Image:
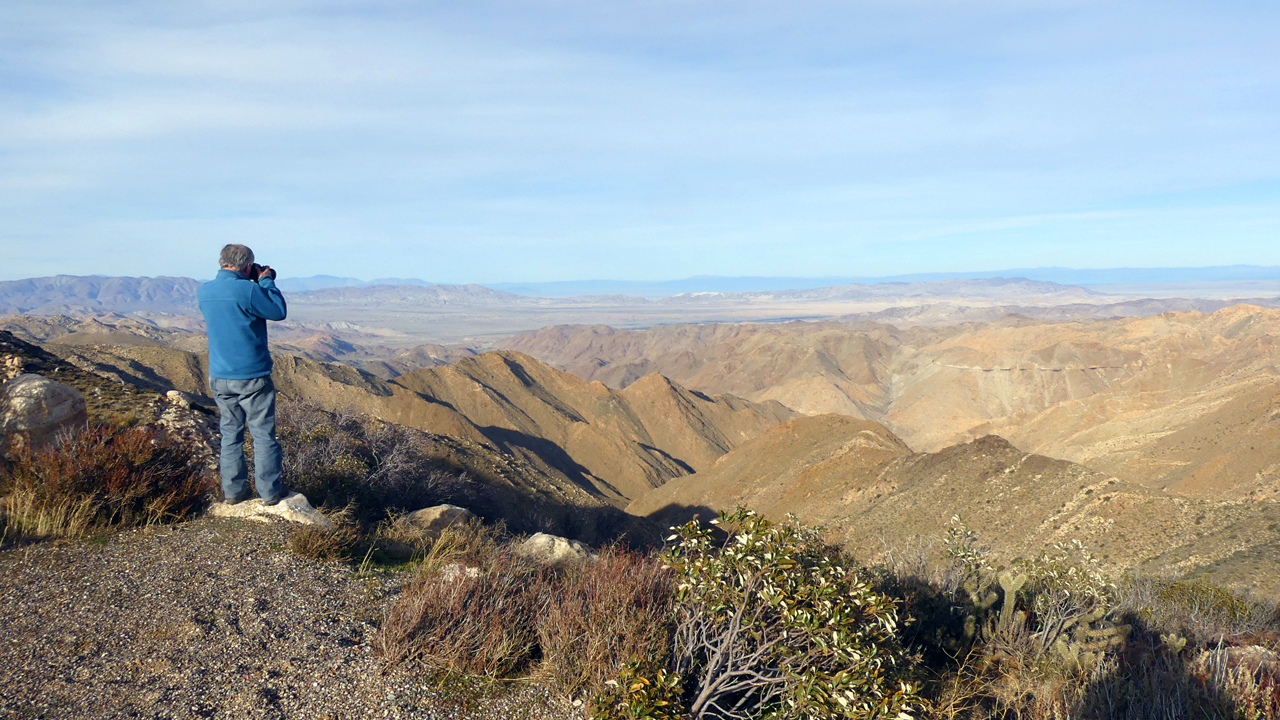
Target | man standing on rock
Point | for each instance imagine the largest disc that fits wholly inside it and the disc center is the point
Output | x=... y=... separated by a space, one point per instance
x=237 y=305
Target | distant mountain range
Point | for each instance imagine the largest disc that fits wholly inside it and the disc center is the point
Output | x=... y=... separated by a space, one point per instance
x=712 y=283
x=72 y=294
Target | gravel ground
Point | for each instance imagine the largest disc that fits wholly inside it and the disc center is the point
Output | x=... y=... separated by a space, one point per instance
x=212 y=619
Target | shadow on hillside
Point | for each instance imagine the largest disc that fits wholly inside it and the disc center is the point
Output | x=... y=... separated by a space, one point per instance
x=674 y=515
x=519 y=444
x=1151 y=682
x=686 y=467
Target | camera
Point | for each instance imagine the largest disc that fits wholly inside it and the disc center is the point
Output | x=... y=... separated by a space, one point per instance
x=256 y=271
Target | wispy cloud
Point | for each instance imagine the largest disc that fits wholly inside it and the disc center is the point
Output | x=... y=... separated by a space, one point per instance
x=503 y=141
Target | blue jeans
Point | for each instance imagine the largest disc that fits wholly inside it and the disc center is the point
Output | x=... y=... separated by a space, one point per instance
x=252 y=401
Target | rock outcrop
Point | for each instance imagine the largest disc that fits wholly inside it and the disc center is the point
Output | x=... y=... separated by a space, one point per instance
x=554 y=551
x=436 y=519
x=294 y=508
x=35 y=409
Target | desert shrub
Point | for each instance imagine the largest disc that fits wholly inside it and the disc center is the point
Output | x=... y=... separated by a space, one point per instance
x=1052 y=636
x=1198 y=610
x=476 y=608
x=1054 y=613
x=771 y=623
x=468 y=620
x=102 y=476
x=602 y=615
x=342 y=460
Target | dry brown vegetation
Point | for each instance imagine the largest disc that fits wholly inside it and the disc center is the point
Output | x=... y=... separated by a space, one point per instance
x=475 y=607
x=1159 y=648
x=341 y=460
x=100 y=477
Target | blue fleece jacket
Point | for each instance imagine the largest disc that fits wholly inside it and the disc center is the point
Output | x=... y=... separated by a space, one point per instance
x=236 y=311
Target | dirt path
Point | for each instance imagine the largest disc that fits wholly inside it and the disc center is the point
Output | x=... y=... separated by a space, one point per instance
x=209 y=619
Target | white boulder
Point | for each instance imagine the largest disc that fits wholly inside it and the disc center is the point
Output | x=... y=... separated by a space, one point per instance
x=37 y=409
x=554 y=551
x=295 y=508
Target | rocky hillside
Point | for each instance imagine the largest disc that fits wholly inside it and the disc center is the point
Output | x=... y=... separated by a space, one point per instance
x=862 y=482
x=1182 y=401
x=615 y=445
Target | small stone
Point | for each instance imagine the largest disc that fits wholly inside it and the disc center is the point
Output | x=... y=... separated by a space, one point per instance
x=457 y=571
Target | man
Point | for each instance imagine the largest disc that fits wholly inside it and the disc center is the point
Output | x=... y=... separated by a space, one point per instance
x=237 y=305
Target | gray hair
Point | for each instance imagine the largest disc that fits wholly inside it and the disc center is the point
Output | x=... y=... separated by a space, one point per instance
x=236 y=256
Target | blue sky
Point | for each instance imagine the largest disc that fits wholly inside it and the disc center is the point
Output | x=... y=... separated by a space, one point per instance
x=501 y=141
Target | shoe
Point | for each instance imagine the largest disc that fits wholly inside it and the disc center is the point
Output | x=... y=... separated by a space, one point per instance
x=233 y=501
x=274 y=501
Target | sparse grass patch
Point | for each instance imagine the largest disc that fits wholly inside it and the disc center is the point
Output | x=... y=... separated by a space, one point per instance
x=100 y=477
x=316 y=543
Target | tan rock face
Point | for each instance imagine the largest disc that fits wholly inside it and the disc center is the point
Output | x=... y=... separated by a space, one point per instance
x=37 y=409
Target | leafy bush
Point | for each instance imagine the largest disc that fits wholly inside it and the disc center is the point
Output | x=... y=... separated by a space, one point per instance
x=102 y=476
x=771 y=623
x=340 y=460
x=633 y=696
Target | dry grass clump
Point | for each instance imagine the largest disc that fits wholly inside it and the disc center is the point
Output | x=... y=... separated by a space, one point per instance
x=99 y=477
x=472 y=622
x=469 y=543
x=316 y=543
x=602 y=615
x=476 y=607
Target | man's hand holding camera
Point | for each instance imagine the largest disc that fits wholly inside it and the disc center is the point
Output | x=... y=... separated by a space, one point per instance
x=257 y=271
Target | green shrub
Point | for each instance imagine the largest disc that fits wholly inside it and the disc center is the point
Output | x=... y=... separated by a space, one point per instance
x=99 y=477
x=641 y=695
x=771 y=623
